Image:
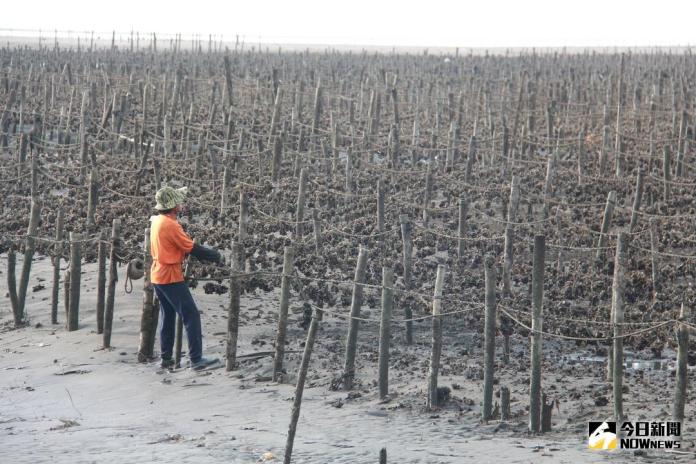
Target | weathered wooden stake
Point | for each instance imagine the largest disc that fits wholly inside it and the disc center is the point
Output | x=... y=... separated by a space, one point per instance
x=504 y=403
x=299 y=388
x=146 y=318
x=288 y=256
x=680 y=389
x=489 y=338
x=354 y=325
x=234 y=308
x=75 y=280
x=58 y=252
x=29 y=248
x=653 y=255
x=101 y=280
x=461 y=229
x=636 y=201
x=606 y=223
x=113 y=278
x=432 y=401
x=537 y=307
x=617 y=295
x=385 y=330
x=299 y=218
x=407 y=262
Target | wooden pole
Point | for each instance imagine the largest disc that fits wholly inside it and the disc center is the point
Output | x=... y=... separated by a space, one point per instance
x=489 y=340
x=234 y=307
x=606 y=223
x=617 y=296
x=29 y=248
x=504 y=403
x=58 y=252
x=146 y=318
x=667 y=174
x=299 y=388
x=381 y=228
x=432 y=402
x=113 y=278
x=317 y=229
x=354 y=325
x=93 y=198
x=385 y=330
x=243 y=216
x=461 y=229
x=682 y=333
x=101 y=280
x=407 y=262
x=537 y=307
x=636 y=201
x=75 y=280
x=653 y=255
x=288 y=256
x=299 y=224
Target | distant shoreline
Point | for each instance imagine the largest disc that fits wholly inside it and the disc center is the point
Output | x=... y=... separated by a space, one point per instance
x=164 y=40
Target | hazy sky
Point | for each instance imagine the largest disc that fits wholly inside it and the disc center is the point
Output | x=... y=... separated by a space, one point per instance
x=480 y=23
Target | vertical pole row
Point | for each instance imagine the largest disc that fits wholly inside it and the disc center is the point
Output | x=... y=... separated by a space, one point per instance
x=146 y=319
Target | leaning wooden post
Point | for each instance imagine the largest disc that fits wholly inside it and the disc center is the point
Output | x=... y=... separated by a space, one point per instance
x=636 y=202
x=682 y=372
x=299 y=219
x=29 y=248
x=461 y=228
x=489 y=343
x=101 y=280
x=537 y=307
x=299 y=388
x=617 y=295
x=407 y=262
x=60 y=226
x=146 y=318
x=113 y=278
x=283 y=313
x=385 y=330
x=234 y=308
x=437 y=338
x=354 y=325
x=75 y=280
x=606 y=222
x=383 y=456
x=226 y=174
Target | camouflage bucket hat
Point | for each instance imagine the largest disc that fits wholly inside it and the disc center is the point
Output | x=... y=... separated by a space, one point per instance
x=168 y=197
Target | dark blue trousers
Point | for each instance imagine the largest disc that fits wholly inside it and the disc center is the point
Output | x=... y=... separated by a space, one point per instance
x=176 y=299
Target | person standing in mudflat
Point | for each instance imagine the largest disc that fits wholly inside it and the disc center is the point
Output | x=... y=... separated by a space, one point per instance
x=169 y=245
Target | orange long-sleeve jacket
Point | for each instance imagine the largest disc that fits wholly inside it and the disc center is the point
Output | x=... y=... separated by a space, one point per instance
x=169 y=245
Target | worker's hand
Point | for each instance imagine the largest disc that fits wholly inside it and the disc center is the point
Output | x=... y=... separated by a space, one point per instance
x=205 y=254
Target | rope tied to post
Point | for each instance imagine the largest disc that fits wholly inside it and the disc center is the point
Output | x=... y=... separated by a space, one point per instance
x=134 y=271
